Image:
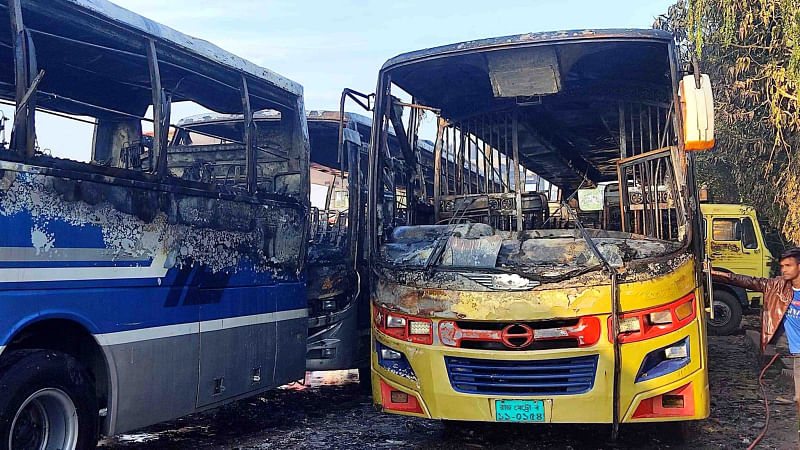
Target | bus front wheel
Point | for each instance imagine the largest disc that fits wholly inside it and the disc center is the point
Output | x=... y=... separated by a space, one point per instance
x=48 y=402
x=727 y=314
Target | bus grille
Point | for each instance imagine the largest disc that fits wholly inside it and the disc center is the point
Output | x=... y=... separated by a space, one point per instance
x=539 y=377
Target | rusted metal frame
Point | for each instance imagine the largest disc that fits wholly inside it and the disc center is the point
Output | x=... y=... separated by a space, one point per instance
x=446 y=148
x=658 y=126
x=355 y=96
x=29 y=95
x=458 y=187
x=251 y=180
x=54 y=113
x=641 y=129
x=418 y=106
x=354 y=213
x=437 y=168
x=30 y=92
x=412 y=164
x=508 y=157
x=623 y=134
x=677 y=117
x=488 y=154
x=159 y=151
x=663 y=138
x=659 y=181
x=485 y=155
x=649 y=211
x=411 y=134
x=468 y=157
x=622 y=176
x=633 y=132
x=339 y=144
x=408 y=153
x=166 y=63
x=518 y=183
x=377 y=156
x=134 y=116
x=650 y=127
x=23 y=137
x=139 y=180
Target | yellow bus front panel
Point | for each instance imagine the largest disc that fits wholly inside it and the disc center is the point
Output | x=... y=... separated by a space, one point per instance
x=429 y=387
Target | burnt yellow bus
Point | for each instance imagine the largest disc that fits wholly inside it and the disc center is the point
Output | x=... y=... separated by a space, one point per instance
x=547 y=267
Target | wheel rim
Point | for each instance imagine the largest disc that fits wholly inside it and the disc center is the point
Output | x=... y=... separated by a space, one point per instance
x=47 y=420
x=722 y=314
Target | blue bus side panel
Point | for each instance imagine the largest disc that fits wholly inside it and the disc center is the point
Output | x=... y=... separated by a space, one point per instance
x=202 y=284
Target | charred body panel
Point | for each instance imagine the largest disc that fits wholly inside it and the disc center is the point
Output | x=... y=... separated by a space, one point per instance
x=191 y=288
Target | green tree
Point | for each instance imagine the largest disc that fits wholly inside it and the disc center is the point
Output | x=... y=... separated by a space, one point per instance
x=751 y=51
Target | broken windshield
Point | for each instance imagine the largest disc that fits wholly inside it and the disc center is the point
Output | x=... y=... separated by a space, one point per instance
x=523 y=133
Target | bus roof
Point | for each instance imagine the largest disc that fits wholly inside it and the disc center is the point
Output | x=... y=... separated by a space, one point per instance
x=96 y=52
x=538 y=38
x=728 y=209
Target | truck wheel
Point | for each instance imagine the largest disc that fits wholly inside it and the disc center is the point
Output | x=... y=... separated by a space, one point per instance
x=47 y=401
x=727 y=314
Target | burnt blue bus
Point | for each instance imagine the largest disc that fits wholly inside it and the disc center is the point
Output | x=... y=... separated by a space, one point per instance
x=136 y=287
x=339 y=320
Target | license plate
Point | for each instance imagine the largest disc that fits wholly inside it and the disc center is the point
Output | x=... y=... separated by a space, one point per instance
x=519 y=410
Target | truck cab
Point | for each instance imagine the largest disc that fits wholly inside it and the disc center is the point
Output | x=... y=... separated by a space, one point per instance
x=734 y=243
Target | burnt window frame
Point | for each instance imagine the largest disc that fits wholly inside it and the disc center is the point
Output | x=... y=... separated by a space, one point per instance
x=23 y=145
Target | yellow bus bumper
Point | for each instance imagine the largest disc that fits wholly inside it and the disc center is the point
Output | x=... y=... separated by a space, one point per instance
x=431 y=394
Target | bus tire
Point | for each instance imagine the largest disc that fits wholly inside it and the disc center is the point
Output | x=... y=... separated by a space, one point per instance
x=727 y=314
x=46 y=385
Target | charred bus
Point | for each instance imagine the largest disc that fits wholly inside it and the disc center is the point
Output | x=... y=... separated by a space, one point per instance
x=338 y=300
x=137 y=288
x=554 y=273
x=338 y=322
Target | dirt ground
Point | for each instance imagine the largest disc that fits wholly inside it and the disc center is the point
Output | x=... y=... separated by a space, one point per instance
x=331 y=412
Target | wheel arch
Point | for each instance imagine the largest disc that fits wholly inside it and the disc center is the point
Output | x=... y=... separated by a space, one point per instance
x=69 y=335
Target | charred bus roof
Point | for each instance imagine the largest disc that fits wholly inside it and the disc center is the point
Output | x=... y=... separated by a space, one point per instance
x=95 y=52
x=568 y=88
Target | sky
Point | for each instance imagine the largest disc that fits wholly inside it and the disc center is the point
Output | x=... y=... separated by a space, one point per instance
x=327 y=46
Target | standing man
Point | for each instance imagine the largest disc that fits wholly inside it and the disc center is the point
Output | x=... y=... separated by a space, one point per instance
x=780 y=317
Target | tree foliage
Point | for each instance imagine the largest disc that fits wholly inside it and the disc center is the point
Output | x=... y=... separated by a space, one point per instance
x=751 y=51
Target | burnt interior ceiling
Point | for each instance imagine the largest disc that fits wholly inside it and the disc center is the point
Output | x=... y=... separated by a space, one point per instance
x=567 y=96
x=100 y=62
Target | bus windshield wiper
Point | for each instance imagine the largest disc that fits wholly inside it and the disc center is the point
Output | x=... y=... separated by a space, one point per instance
x=441 y=241
x=588 y=239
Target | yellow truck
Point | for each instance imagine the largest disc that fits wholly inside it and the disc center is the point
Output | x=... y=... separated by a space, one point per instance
x=734 y=243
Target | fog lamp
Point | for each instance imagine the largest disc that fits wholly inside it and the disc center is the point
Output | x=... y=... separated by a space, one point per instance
x=672 y=401
x=328 y=305
x=677 y=351
x=399 y=397
x=395 y=322
x=390 y=355
x=419 y=327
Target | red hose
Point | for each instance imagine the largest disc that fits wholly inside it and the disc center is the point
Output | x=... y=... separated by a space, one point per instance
x=766 y=402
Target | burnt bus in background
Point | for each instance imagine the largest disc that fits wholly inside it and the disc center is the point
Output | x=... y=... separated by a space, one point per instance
x=134 y=290
x=338 y=324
